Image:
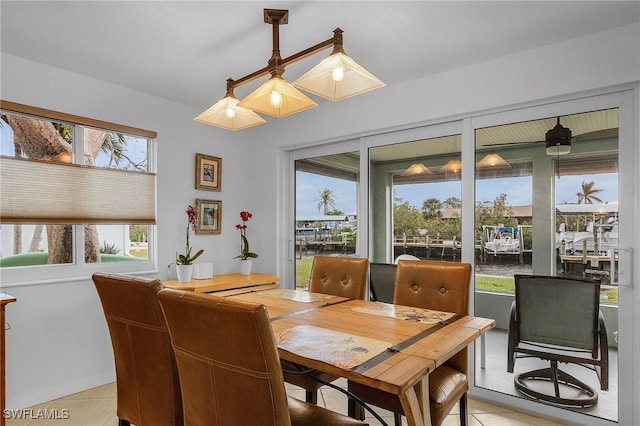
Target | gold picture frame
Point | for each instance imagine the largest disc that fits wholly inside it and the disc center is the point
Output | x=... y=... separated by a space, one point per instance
x=209 y=214
x=208 y=172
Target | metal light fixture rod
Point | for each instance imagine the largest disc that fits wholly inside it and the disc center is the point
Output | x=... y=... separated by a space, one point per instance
x=276 y=64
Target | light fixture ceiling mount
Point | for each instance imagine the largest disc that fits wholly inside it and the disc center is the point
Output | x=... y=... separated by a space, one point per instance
x=336 y=77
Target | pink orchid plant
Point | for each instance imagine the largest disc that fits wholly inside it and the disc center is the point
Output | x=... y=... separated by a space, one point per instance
x=187 y=258
x=244 y=243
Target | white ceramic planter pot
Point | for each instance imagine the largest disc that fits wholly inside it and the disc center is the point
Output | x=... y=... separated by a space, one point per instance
x=184 y=273
x=245 y=267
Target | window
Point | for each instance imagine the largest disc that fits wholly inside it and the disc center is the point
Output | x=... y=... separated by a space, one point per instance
x=62 y=190
x=420 y=180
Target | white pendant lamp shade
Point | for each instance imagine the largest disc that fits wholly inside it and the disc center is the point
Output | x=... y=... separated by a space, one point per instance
x=338 y=77
x=278 y=98
x=416 y=169
x=227 y=114
x=493 y=160
x=453 y=166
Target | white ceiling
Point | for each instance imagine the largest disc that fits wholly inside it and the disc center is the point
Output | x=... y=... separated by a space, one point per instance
x=184 y=51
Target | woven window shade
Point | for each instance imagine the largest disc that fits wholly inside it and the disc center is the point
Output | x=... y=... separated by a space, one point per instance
x=41 y=192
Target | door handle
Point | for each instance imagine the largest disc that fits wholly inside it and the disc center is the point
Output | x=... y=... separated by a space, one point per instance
x=622 y=274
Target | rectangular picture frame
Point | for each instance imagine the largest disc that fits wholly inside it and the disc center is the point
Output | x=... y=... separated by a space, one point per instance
x=208 y=172
x=209 y=217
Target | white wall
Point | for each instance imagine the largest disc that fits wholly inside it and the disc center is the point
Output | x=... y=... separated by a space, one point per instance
x=58 y=343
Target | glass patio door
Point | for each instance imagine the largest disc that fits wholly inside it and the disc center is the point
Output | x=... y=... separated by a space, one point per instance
x=561 y=215
x=325 y=219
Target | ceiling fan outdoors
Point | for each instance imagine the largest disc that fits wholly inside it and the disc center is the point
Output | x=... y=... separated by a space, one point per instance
x=559 y=138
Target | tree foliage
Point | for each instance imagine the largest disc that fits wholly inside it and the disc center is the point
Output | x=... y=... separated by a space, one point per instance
x=407 y=220
x=587 y=195
x=432 y=208
x=326 y=201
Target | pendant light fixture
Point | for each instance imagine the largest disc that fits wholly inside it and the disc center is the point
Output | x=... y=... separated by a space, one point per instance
x=338 y=76
x=453 y=166
x=335 y=78
x=227 y=114
x=558 y=140
x=416 y=169
x=493 y=160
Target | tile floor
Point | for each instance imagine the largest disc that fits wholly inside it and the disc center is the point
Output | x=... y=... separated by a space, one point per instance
x=97 y=407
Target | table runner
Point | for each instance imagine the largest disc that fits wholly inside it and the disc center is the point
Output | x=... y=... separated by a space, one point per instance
x=408 y=313
x=333 y=347
x=296 y=295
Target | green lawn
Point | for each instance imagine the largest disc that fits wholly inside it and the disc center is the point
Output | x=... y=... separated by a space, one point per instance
x=143 y=253
x=495 y=284
x=483 y=282
x=303 y=272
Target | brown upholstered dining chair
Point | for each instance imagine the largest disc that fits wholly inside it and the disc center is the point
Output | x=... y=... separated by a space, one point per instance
x=338 y=276
x=442 y=286
x=148 y=390
x=229 y=366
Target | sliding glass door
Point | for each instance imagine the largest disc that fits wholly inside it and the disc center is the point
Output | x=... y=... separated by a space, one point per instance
x=485 y=190
x=543 y=212
x=326 y=208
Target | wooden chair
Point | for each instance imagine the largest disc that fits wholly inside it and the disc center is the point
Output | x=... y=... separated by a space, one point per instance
x=148 y=389
x=229 y=366
x=338 y=276
x=442 y=286
x=558 y=319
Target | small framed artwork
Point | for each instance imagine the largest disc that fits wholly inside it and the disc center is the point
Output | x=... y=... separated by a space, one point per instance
x=208 y=172
x=209 y=216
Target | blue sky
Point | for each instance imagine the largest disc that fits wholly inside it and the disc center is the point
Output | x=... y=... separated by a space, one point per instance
x=519 y=190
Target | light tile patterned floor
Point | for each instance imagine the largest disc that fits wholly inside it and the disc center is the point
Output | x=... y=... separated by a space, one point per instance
x=97 y=407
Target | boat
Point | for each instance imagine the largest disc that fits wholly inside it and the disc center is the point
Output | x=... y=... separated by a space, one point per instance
x=505 y=240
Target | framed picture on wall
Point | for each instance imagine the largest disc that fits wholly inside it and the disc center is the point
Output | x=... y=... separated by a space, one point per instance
x=208 y=172
x=209 y=216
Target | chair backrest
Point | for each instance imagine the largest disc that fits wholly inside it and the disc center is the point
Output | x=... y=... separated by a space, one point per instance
x=228 y=361
x=382 y=278
x=557 y=310
x=442 y=286
x=148 y=389
x=405 y=257
x=339 y=276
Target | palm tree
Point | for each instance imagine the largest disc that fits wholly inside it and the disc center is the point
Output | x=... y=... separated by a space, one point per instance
x=326 y=200
x=432 y=208
x=587 y=195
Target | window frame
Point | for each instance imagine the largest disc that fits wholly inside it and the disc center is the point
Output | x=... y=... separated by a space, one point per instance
x=79 y=270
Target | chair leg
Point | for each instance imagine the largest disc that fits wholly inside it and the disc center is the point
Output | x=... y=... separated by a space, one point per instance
x=397 y=419
x=122 y=422
x=311 y=397
x=355 y=410
x=463 y=410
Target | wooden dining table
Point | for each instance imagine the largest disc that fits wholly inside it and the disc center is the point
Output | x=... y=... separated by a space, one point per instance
x=389 y=347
